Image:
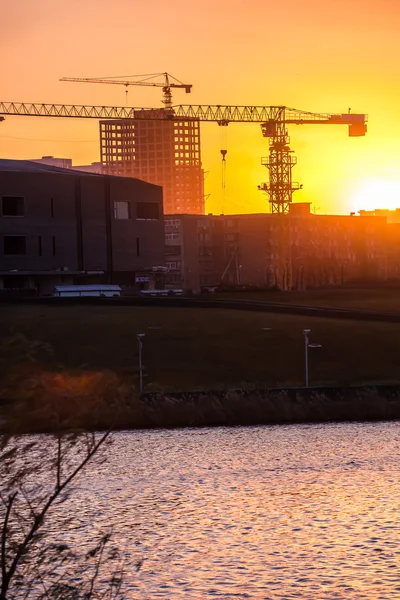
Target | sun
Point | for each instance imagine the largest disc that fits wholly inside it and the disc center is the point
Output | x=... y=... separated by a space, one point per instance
x=377 y=193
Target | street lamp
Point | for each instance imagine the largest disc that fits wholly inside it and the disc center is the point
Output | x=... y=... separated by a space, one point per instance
x=140 y=337
x=307 y=345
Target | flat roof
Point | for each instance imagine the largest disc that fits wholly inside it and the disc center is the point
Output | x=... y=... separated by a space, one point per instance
x=30 y=166
x=258 y=215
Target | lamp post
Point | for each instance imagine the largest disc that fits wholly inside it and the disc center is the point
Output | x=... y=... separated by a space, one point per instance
x=305 y=333
x=307 y=345
x=140 y=337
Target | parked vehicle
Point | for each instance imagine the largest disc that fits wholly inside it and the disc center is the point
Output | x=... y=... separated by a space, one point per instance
x=96 y=290
x=154 y=293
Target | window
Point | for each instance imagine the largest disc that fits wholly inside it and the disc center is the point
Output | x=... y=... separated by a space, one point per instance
x=52 y=207
x=173 y=265
x=172 y=223
x=137 y=246
x=173 y=278
x=148 y=210
x=14 y=245
x=205 y=251
x=14 y=282
x=122 y=210
x=54 y=245
x=40 y=245
x=231 y=237
x=13 y=206
x=172 y=250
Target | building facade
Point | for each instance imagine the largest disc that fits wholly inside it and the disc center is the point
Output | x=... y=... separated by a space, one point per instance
x=244 y=250
x=163 y=152
x=62 y=226
x=193 y=247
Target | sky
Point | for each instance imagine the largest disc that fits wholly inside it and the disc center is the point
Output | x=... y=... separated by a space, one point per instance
x=321 y=56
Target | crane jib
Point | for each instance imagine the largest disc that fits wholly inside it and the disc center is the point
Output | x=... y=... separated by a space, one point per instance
x=221 y=114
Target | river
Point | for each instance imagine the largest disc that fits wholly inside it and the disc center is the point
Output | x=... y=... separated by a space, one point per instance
x=258 y=512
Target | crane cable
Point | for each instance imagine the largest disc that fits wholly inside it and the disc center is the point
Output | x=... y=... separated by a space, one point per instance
x=223 y=153
x=224 y=145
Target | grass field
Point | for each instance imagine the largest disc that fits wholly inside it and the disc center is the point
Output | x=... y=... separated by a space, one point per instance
x=191 y=348
x=384 y=300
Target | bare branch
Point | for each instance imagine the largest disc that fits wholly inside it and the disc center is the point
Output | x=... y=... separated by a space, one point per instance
x=117 y=580
x=5 y=577
x=29 y=503
x=97 y=569
x=87 y=443
x=39 y=518
x=59 y=461
x=46 y=591
x=3 y=500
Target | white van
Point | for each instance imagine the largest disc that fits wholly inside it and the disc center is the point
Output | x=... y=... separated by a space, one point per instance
x=95 y=289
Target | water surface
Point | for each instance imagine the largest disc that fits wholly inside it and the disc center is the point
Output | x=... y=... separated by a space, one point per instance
x=259 y=512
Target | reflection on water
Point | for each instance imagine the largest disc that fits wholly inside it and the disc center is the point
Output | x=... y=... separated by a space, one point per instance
x=262 y=512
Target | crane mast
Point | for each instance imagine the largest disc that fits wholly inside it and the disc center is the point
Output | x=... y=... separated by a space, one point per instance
x=280 y=188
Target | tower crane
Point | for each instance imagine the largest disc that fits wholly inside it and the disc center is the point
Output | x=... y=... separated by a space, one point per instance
x=280 y=163
x=274 y=121
x=168 y=83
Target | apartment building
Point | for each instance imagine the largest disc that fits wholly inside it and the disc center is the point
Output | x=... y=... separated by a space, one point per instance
x=193 y=251
x=235 y=250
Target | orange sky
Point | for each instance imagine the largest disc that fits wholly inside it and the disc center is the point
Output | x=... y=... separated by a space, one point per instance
x=322 y=56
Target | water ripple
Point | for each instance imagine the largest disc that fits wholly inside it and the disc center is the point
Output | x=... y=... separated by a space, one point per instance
x=261 y=513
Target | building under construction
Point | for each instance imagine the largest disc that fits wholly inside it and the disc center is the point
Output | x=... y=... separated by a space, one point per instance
x=163 y=152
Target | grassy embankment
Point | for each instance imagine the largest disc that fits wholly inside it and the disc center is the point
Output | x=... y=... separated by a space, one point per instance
x=383 y=300
x=188 y=348
x=94 y=350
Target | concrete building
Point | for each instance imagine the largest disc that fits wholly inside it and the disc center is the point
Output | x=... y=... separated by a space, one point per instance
x=62 y=226
x=193 y=251
x=52 y=161
x=66 y=163
x=164 y=152
x=392 y=262
x=94 y=167
x=244 y=250
x=392 y=216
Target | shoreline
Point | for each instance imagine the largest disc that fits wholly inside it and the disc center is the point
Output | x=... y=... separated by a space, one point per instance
x=228 y=408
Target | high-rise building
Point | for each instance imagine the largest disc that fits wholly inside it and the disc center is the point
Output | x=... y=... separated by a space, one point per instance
x=165 y=152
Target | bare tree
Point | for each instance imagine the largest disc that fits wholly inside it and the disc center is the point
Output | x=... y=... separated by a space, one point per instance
x=37 y=474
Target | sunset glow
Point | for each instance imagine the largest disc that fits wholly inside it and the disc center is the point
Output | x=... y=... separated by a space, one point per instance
x=328 y=63
x=377 y=193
